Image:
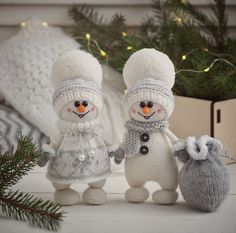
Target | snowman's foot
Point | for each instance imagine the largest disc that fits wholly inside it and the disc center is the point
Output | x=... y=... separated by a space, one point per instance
x=137 y=195
x=164 y=197
x=66 y=197
x=94 y=196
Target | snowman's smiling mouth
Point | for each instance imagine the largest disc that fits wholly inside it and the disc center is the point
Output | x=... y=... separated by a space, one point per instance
x=80 y=115
x=146 y=117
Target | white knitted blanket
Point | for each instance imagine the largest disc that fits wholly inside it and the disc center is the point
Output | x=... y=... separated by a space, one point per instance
x=25 y=66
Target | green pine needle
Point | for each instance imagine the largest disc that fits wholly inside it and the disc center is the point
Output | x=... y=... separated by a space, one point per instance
x=15 y=164
x=26 y=207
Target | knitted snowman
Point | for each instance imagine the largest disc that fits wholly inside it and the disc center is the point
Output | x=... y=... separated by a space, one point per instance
x=79 y=155
x=149 y=76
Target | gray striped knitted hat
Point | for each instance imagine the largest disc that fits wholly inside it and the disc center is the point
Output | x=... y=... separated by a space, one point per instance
x=153 y=90
x=149 y=75
x=76 y=75
x=77 y=89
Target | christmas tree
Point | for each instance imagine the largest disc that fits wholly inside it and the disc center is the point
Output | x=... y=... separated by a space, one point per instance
x=198 y=44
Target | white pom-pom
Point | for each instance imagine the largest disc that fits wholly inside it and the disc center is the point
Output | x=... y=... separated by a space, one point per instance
x=149 y=63
x=76 y=64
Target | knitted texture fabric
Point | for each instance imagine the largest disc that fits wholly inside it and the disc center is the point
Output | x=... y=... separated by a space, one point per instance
x=149 y=63
x=135 y=130
x=77 y=89
x=12 y=126
x=149 y=76
x=204 y=179
x=157 y=165
x=25 y=66
x=152 y=90
x=81 y=157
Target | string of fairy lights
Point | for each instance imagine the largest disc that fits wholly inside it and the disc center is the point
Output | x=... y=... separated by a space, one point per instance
x=184 y=56
x=104 y=54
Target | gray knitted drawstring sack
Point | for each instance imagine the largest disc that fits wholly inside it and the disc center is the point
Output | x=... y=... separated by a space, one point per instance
x=204 y=179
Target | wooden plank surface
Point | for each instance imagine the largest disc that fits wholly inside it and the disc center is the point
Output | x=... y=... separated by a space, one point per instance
x=117 y=215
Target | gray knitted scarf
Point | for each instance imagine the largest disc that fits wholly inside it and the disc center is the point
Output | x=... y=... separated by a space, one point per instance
x=135 y=129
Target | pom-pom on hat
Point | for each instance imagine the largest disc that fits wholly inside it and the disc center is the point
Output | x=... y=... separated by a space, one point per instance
x=76 y=75
x=150 y=75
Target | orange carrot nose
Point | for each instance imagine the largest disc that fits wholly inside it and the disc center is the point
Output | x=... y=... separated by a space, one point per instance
x=81 y=108
x=146 y=110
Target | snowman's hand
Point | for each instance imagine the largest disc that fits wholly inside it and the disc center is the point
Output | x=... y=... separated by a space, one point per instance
x=118 y=155
x=44 y=158
x=47 y=154
x=179 y=149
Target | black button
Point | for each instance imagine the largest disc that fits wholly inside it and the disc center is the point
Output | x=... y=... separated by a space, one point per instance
x=144 y=150
x=145 y=137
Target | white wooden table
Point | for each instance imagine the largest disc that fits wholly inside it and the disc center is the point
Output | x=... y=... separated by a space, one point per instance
x=119 y=216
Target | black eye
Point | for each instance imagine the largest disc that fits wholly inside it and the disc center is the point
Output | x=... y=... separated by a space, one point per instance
x=76 y=103
x=142 y=104
x=150 y=104
x=85 y=103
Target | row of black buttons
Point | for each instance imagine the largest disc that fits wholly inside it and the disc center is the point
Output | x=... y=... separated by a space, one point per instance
x=145 y=138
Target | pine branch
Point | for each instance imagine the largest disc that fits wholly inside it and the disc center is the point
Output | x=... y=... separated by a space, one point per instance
x=221 y=19
x=26 y=207
x=195 y=31
x=13 y=166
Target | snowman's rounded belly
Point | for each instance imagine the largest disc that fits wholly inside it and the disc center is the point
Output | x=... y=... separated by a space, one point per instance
x=150 y=166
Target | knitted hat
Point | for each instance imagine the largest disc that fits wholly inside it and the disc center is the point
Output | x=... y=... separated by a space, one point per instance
x=150 y=75
x=76 y=75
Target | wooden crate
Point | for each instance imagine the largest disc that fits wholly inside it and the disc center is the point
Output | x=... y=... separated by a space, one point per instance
x=196 y=117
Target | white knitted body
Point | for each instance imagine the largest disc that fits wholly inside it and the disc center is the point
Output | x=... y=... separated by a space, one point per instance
x=158 y=165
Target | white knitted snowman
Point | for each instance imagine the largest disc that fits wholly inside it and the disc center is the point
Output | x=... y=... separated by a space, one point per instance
x=80 y=154
x=149 y=76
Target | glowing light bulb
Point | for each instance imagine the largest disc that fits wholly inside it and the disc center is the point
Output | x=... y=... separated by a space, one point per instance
x=124 y=34
x=103 y=53
x=184 y=57
x=179 y=20
x=129 y=47
x=45 y=24
x=23 y=24
x=87 y=36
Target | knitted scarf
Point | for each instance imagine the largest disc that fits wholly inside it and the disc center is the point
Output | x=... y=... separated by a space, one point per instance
x=66 y=126
x=135 y=129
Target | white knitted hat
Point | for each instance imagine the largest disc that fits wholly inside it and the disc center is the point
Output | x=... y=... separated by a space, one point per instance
x=150 y=75
x=76 y=75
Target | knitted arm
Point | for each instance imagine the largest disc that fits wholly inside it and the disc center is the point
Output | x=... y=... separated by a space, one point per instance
x=118 y=152
x=49 y=150
x=179 y=148
x=170 y=135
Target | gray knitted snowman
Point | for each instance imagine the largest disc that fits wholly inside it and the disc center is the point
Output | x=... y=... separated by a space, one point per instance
x=79 y=154
x=149 y=76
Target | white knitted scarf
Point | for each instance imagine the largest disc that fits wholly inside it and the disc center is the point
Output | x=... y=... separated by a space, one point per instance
x=66 y=126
